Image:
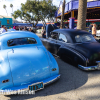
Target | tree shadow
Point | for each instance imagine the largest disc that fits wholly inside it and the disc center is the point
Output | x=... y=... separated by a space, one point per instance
x=71 y=79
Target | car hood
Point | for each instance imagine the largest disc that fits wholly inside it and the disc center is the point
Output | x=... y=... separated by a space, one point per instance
x=28 y=64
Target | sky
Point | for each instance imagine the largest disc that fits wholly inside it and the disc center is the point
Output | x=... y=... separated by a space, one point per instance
x=17 y=5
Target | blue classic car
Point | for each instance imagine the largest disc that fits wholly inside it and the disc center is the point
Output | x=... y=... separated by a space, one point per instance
x=25 y=61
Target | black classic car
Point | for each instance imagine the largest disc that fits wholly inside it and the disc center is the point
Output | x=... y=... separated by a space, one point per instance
x=77 y=46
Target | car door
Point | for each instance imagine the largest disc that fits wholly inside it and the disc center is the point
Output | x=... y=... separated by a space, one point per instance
x=60 y=42
x=63 y=41
x=50 y=43
x=44 y=41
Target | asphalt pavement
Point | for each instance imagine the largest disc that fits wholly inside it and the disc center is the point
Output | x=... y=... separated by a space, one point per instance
x=74 y=84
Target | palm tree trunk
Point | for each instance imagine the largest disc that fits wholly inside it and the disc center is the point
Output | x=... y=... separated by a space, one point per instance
x=82 y=10
x=6 y=12
x=62 y=16
x=12 y=13
x=12 y=9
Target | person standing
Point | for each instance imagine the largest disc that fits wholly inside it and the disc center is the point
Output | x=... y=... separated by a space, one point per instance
x=90 y=28
x=25 y=28
x=94 y=30
x=14 y=27
x=3 y=29
x=30 y=29
x=43 y=32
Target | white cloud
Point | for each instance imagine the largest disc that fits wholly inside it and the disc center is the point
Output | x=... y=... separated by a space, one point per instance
x=56 y=2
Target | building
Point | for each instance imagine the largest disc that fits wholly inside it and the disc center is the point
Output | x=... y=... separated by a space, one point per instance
x=6 y=20
x=71 y=11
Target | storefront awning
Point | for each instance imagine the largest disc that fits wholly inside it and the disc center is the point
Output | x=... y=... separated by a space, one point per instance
x=93 y=9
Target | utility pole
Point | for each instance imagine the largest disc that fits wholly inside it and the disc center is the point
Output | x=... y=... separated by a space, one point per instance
x=62 y=16
x=82 y=10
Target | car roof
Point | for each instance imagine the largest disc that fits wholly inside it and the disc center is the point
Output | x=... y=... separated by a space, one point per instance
x=71 y=31
x=17 y=34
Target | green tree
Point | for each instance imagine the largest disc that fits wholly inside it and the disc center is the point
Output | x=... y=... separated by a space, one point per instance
x=33 y=11
x=48 y=10
x=82 y=10
x=4 y=6
x=62 y=16
x=17 y=14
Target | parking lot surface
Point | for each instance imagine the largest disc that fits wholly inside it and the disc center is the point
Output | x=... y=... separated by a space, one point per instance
x=74 y=84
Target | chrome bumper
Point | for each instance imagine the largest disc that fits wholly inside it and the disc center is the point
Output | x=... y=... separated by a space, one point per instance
x=26 y=90
x=97 y=67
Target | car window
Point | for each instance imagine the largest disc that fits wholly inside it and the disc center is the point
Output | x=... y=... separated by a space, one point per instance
x=84 y=38
x=21 y=41
x=62 y=38
x=78 y=38
x=54 y=35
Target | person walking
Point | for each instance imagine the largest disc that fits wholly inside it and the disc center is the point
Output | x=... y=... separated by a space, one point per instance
x=3 y=29
x=43 y=33
x=90 y=28
x=94 y=30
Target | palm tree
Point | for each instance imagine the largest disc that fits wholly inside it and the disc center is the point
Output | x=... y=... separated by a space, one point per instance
x=82 y=10
x=4 y=6
x=62 y=16
x=11 y=5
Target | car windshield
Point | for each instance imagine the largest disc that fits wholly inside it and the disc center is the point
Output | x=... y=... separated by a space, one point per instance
x=84 y=38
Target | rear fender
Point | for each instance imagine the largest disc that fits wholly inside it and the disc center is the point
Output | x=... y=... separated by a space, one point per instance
x=5 y=71
x=74 y=55
x=54 y=69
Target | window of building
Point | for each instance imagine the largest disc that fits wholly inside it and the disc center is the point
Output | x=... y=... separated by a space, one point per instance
x=8 y=21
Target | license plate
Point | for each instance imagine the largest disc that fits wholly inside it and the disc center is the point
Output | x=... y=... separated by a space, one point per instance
x=36 y=86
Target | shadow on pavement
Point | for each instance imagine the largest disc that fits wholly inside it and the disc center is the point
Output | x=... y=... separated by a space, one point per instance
x=71 y=79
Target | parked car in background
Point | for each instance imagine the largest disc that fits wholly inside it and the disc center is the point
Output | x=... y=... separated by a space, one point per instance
x=0 y=30
x=75 y=46
x=98 y=33
x=25 y=61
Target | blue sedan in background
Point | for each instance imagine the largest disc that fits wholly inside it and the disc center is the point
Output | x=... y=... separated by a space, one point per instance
x=25 y=61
